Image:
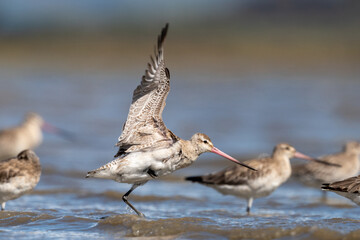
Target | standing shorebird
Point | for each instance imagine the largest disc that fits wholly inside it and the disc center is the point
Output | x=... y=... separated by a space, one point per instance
x=28 y=135
x=271 y=173
x=314 y=174
x=147 y=149
x=349 y=188
x=18 y=176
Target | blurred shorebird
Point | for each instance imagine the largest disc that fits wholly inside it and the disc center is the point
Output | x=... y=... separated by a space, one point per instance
x=349 y=188
x=271 y=173
x=18 y=176
x=28 y=135
x=147 y=148
x=314 y=174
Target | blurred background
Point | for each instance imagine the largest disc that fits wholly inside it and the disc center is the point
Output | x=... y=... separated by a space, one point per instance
x=248 y=73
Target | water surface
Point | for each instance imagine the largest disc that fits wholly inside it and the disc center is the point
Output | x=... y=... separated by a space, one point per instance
x=244 y=116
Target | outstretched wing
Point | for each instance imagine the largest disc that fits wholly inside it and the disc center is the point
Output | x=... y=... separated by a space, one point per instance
x=144 y=126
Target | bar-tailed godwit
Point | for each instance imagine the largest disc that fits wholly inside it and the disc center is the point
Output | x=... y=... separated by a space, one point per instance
x=147 y=148
x=271 y=173
x=349 y=188
x=28 y=135
x=18 y=176
x=314 y=174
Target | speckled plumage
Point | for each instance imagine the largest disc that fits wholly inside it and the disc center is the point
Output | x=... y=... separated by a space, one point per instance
x=314 y=174
x=147 y=149
x=244 y=183
x=349 y=188
x=144 y=127
x=18 y=176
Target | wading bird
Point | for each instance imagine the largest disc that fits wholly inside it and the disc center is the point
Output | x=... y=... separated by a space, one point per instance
x=314 y=174
x=28 y=135
x=271 y=173
x=18 y=176
x=147 y=148
x=349 y=188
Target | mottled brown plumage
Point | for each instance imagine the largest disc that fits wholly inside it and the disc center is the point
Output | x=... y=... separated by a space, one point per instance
x=351 y=185
x=147 y=149
x=237 y=176
x=18 y=176
x=314 y=174
x=242 y=182
x=144 y=127
x=349 y=188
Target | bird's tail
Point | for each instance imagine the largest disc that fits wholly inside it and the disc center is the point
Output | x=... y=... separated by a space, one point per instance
x=198 y=179
x=326 y=186
x=100 y=173
x=91 y=174
x=103 y=171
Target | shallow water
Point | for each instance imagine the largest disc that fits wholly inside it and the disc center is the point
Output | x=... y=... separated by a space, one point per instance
x=244 y=117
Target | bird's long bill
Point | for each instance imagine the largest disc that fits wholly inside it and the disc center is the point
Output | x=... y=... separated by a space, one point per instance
x=303 y=156
x=47 y=127
x=221 y=153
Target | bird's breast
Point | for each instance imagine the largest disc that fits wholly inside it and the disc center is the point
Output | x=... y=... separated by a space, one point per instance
x=144 y=166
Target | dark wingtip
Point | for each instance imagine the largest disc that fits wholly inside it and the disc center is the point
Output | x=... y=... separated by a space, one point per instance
x=165 y=29
x=194 y=179
x=162 y=36
x=326 y=186
x=167 y=72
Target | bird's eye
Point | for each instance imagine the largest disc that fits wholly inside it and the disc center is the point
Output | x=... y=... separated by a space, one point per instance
x=287 y=148
x=205 y=141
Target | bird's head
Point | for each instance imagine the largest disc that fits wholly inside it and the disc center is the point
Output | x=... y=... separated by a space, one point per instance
x=202 y=143
x=289 y=151
x=34 y=119
x=284 y=149
x=352 y=146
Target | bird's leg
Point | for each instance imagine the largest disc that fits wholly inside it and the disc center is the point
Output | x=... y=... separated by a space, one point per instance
x=125 y=199
x=249 y=204
x=3 y=206
x=324 y=196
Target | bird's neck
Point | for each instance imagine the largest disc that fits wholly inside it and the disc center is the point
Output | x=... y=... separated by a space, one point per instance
x=33 y=133
x=189 y=150
x=284 y=166
x=352 y=159
x=351 y=152
x=281 y=159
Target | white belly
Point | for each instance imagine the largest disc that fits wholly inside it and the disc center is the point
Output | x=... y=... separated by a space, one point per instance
x=15 y=188
x=355 y=197
x=256 y=188
x=135 y=167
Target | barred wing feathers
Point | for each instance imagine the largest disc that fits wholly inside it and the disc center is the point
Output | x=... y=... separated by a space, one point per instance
x=144 y=126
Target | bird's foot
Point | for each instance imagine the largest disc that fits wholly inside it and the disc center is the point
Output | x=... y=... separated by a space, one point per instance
x=140 y=214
